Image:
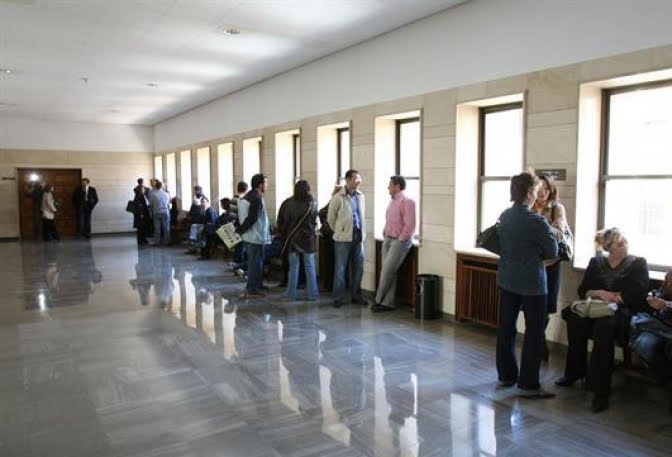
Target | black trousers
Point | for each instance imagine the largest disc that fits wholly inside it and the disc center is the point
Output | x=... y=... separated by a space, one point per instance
x=83 y=222
x=604 y=332
x=49 y=232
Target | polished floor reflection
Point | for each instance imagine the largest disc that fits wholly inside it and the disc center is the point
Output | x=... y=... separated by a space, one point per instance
x=107 y=350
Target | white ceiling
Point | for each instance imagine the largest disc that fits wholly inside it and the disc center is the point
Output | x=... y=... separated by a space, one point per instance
x=92 y=60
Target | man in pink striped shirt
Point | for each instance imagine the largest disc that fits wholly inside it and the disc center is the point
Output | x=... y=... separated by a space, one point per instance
x=398 y=233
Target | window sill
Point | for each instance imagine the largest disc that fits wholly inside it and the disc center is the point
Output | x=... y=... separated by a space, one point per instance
x=477 y=251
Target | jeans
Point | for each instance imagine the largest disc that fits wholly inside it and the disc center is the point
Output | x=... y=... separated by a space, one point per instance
x=255 y=267
x=348 y=252
x=311 y=277
x=553 y=284
x=393 y=254
x=534 y=308
x=161 y=228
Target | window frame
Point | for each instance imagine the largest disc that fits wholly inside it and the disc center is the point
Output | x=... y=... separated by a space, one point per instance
x=604 y=175
x=397 y=164
x=483 y=111
x=296 y=156
x=340 y=174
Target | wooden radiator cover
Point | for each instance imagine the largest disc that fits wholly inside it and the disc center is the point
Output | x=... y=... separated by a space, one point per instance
x=477 y=296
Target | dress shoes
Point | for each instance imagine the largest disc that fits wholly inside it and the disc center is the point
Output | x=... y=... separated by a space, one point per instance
x=380 y=308
x=566 y=381
x=600 y=403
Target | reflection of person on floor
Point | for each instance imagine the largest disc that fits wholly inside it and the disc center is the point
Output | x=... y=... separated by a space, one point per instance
x=143 y=278
x=344 y=357
x=162 y=266
x=299 y=349
x=70 y=276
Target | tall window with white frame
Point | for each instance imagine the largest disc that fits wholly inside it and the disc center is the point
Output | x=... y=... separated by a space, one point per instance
x=501 y=156
x=342 y=152
x=296 y=155
x=185 y=179
x=225 y=167
x=251 y=158
x=171 y=179
x=203 y=170
x=407 y=160
x=158 y=168
x=636 y=174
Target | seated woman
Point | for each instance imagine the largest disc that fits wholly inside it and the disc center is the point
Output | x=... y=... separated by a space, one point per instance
x=616 y=277
x=651 y=337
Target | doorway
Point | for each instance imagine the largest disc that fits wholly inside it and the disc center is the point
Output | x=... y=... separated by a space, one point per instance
x=64 y=181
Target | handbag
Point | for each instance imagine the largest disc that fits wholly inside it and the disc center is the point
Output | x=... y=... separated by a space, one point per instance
x=593 y=309
x=488 y=239
x=130 y=206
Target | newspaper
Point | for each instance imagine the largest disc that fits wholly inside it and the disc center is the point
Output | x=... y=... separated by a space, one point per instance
x=227 y=233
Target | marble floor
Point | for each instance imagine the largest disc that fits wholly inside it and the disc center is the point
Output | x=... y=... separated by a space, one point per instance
x=107 y=350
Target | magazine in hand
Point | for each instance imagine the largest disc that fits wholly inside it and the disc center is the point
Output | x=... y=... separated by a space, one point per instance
x=227 y=233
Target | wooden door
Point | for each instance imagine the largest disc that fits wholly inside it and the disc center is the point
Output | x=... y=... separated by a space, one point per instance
x=64 y=181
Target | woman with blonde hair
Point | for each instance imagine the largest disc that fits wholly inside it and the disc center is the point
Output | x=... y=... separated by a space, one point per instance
x=616 y=277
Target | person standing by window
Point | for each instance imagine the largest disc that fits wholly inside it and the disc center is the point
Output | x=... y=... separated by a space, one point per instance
x=547 y=205
x=398 y=234
x=526 y=240
x=300 y=221
x=346 y=219
x=255 y=230
x=160 y=203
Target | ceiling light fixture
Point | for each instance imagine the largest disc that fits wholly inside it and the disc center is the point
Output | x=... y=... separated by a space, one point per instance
x=6 y=71
x=232 y=31
x=152 y=85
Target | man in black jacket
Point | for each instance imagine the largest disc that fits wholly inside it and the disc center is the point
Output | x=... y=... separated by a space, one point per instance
x=84 y=199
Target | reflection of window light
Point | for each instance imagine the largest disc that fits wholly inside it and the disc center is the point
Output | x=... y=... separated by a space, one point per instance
x=33 y=177
x=41 y=301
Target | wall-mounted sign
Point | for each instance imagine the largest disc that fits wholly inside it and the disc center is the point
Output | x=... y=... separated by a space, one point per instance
x=558 y=174
x=8 y=178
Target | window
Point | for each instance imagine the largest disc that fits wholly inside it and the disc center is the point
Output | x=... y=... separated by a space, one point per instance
x=203 y=169
x=185 y=178
x=296 y=163
x=407 y=160
x=171 y=180
x=251 y=158
x=501 y=156
x=225 y=170
x=158 y=168
x=343 y=152
x=636 y=173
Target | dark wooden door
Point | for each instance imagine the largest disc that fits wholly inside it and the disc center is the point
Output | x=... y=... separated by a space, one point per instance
x=64 y=181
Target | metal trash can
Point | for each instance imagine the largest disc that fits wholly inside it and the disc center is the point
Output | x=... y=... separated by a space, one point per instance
x=427 y=296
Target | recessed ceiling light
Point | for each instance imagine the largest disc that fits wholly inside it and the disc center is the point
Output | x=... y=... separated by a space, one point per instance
x=6 y=71
x=232 y=31
x=152 y=85
x=115 y=111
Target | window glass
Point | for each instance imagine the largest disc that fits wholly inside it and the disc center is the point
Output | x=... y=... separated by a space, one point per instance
x=343 y=152
x=225 y=167
x=503 y=138
x=408 y=164
x=158 y=168
x=171 y=180
x=203 y=164
x=185 y=179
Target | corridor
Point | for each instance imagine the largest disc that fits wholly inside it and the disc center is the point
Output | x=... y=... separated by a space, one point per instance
x=108 y=350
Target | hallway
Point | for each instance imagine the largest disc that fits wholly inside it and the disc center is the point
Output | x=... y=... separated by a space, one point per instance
x=108 y=350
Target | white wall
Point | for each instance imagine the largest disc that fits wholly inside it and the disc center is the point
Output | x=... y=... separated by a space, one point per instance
x=480 y=40
x=38 y=134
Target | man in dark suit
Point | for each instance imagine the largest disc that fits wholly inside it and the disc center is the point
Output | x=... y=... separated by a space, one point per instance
x=84 y=198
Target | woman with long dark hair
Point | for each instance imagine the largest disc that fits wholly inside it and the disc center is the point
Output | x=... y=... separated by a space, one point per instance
x=547 y=205
x=299 y=224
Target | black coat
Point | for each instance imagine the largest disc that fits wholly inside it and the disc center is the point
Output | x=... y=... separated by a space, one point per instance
x=84 y=202
x=304 y=236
